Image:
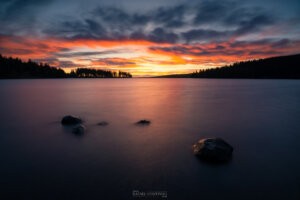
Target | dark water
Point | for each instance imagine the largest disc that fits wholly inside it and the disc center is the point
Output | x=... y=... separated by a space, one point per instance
x=40 y=159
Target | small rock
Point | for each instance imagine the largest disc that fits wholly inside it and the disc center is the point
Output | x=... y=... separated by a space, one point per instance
x=70 y=120
x=79 y=129
x=103 y=123
x=213 y=150
x=143 y=122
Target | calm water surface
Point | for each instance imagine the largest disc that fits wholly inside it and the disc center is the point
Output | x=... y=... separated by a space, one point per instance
x=40 y=159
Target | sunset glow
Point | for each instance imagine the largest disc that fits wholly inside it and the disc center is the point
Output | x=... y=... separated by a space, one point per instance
x=164 y=39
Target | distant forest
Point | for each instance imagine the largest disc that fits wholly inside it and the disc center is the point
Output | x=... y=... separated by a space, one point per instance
x=283 y=67
x=97 y=73
x=16 y=68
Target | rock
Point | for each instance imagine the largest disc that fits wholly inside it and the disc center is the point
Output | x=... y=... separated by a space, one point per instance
x=213 y=150
x=70 y=120
x=143 y=122
x=79 y=129
x=103 y=123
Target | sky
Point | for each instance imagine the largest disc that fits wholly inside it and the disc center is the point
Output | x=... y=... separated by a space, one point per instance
x=148 y=37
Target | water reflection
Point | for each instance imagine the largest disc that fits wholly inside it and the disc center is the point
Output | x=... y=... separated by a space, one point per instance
x=47 y=160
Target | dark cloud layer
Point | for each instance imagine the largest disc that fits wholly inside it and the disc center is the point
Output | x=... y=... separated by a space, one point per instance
x=53 y=61
x=258 y=47
x=203 y=21
x=83 y=54
x=14 y=9
x=213 y=11
x=15 y=51
x=113 y=62
x=206 y=35
x=115 y=24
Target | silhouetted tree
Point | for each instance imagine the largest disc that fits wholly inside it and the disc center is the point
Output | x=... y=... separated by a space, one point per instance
x=124 y=75
x=16 y=68
x=277 y=67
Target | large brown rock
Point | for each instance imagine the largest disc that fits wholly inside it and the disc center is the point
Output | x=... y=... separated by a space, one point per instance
x=213 y=150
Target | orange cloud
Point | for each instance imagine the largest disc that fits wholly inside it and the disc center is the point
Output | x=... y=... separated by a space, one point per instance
x=34 y=48
x=114 y=62
x=147 y=57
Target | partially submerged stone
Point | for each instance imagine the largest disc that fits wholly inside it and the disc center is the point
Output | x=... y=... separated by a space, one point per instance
x=70 y=120
x=103 y=123
x=79 y=129
x=213 y=150
x=143 y=122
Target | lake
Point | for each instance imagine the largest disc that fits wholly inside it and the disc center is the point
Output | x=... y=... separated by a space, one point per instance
x=41 y=159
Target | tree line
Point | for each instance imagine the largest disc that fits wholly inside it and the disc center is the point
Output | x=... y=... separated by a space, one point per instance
x=98 y=73
x=16 y=68
x=276 y=67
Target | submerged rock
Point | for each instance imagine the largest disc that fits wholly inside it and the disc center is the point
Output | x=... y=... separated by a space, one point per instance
x=103 y=123
x=213 y=150
x=79 y=129
x=143 y=122
x=70 y=120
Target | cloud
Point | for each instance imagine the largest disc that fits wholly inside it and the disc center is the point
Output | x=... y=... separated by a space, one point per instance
x=68 y=64
x=115 y=16
x=178 y=33
x=84 y=53
x=108 y=23
x=199 y=20
x=231 y=13
x=54 y=62
x=113 y=62
x=205 y=35
x=282 y=43
x=20 y=8
x=254 y=24
x=167 y=16
x=76 y=29
x=212 y=11
x=20 y=16
x=170 y=17
x=205 y=21
x=247 y=49
x=160 y=35
x=15 y=51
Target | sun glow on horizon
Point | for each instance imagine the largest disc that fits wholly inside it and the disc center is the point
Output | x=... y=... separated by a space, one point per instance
x=146 y=38
x=140 y=58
